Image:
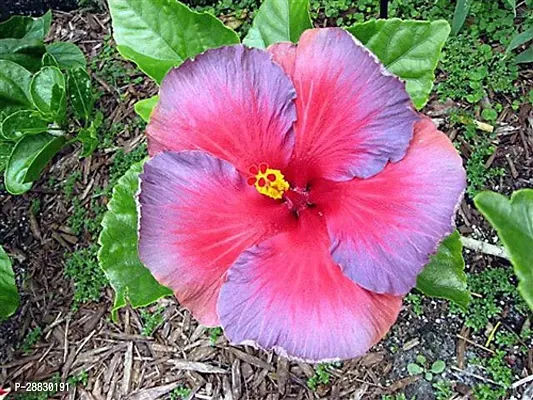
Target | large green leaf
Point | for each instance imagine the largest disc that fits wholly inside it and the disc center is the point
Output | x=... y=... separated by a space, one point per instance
x=409 y=49
x=67 y=55
x=26 y=52
x=5 y=151
x=279 y=21
x=462 y=8
x=30 y=155
x=21 y=40
x=118 y=255
x=526 y=56
x=444 y=276
x=513 y=220
x=14 y=87
x=22 y=123
x=144 y=107
x=19 y=27
x=9 y=296
x=80 y=92
x=48 y=92
x=521 y=38
x=158 y=34
x=153 y=67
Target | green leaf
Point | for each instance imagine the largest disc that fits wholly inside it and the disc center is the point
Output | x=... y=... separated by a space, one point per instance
x=414 y=369
x=513 y=221
x=14 y=87
x=154 y=68
x=49 y=61
x=26 y=52
x=118 y=240
x=5 y=151
x=279 y=21
x=67 y=55
x=444 y=276
x=9 y=296
x=144 y=107
x=19 y=27
x=89 y=136
x=421 y=359
x=462 y=8
x=47 y=90
x=525 y=57
x=80 y=92
x=23 y=122
x=438 y=367
x=512 y=4
x=30 y=155
x=520 y=39
x=159 y=34
x=409 y=49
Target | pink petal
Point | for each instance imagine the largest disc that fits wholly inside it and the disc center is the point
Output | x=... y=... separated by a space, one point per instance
x=386 y=227
x=353 y=115
x=288 y=295
x=232 y=102
x=197 y=215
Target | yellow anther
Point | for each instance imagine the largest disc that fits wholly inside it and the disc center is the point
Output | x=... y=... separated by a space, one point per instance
x=269 y=182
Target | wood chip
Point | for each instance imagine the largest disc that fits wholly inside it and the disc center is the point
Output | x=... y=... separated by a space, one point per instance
x=250 y=359
x=196 y=366
x=128 y=363
x=153 y=393
x=402 y=383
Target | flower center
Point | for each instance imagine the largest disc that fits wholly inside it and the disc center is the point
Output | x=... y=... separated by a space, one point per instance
x=268 y=181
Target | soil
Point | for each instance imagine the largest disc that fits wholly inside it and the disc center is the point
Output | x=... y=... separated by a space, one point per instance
x=34 y=7
x=123 y=364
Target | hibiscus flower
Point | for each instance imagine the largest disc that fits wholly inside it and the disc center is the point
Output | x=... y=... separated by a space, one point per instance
x=294 y=194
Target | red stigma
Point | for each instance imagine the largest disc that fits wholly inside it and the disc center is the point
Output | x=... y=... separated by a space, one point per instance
x=263 y=167
x=261 y=182
x=271 y=177
x=253 y=170
x=251 y=180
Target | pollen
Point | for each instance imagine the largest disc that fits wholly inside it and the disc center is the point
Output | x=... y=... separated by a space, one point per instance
x=268 y=181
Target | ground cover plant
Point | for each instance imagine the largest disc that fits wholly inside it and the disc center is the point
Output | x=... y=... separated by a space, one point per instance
x=484 y=348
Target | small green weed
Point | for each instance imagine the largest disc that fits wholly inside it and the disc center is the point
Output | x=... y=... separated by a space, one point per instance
x=112 y=130
x=181 y=392
x=498 y=370
x=321 y=376
x=398 y=396
x=443 y=390
x=81 y=379
x=35 y=206
x=31 y=339
x=236 y=14
x=415 y=301
x=214 y=334
x=70 y=184
x=123 y=161
x=110 y=67
x=481 y=146
x=492 y=284
x=78 y=217
x=151 y=321
x=421 y=367
x=88 y=278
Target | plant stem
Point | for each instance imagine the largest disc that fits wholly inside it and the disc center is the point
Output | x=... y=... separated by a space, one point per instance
x=485 y=248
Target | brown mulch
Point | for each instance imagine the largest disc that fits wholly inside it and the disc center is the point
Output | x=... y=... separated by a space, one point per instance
x=123 y=364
